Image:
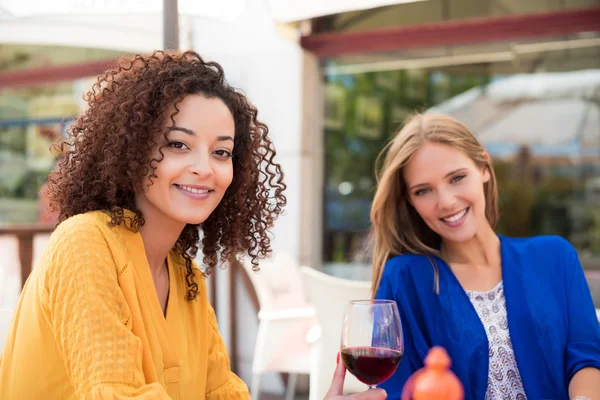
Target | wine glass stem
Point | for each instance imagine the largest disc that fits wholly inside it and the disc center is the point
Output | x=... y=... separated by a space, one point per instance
x=372 y=387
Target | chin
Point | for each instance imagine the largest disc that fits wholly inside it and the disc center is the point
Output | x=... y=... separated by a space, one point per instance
x=190 y=218
x=460 y=235
x=194 y=220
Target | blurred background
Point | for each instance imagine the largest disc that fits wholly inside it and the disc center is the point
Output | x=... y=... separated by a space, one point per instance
x=333 y=80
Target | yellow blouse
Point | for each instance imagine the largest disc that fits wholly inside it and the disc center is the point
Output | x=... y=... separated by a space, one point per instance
x=89 y=325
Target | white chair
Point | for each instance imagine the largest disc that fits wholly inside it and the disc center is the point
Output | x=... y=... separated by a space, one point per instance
x=285 y=319
x=330 y=296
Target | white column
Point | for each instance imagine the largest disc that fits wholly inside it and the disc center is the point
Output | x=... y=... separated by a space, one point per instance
x=267 y=63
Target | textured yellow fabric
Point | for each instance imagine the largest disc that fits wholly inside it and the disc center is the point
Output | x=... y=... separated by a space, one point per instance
x=89 y=325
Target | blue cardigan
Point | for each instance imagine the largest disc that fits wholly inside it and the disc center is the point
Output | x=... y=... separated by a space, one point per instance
x=551 y=318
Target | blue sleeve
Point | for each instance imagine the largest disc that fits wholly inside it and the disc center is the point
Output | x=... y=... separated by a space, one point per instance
x=583 y=345
x=411 y=361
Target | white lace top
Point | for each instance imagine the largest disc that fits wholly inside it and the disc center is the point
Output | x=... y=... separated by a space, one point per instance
x=504 y=380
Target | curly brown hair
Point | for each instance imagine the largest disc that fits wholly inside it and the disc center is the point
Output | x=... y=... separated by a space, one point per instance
x=108 y=153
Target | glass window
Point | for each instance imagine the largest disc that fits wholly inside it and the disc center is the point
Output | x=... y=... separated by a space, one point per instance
x=32 y=118
x=538 y=116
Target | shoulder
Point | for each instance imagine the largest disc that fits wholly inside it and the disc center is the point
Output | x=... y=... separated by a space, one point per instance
x=79 y=230
x=407 y=263
x=93 y=229
x=408 y=268
x=552 y=257
x=78 y=238
x=409 y=280
x=547 y=245
x=81 y=247
x=83 y=223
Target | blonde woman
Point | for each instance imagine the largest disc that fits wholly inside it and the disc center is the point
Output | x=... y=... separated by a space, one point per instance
x=515 y=315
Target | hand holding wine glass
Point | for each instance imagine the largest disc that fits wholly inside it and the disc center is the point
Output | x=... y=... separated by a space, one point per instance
x=372 y=342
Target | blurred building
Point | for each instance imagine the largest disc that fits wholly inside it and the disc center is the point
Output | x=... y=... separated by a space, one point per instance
x=481 y=61
x=332 y=89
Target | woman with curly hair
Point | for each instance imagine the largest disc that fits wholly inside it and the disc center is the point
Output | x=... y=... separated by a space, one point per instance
x=166 y=155
x=116 y=305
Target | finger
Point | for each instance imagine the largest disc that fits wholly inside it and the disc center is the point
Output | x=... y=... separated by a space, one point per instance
x=374 y=394
x=337 y=385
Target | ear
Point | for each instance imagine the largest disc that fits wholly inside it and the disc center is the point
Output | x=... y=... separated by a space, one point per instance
x=486 y=171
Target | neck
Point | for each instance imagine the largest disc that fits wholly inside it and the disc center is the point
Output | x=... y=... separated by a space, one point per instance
x=159 y=234
x=482 y=250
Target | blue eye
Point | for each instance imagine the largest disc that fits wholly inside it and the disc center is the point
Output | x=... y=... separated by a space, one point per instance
x=458 y=178
x=421 y=192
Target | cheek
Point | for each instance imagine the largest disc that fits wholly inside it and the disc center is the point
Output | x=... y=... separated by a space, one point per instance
x=425 y=206
x=476 y=191
x=475 y=197
x=158 y=181
x=152 y=191
x=170 y=167
x=226 y=176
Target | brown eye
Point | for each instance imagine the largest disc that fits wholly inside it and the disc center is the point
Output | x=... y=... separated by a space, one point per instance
x=177 y=145
x=223 y=153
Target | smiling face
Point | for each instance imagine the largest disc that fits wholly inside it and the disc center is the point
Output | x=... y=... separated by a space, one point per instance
x=197 y=167
x=446 y=189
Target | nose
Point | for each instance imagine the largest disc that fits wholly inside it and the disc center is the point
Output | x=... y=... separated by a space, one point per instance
x=446 y=200
x=201 y=166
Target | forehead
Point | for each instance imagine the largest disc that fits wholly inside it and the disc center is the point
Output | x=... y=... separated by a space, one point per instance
x=202 y=113
x=433 y=161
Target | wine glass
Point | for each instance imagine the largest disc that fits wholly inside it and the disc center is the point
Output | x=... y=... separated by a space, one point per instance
x=372 y=342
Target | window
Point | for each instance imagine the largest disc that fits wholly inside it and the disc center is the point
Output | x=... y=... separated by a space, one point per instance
x=546 y=147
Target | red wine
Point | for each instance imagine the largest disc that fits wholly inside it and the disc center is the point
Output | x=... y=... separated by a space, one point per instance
x=371 y=365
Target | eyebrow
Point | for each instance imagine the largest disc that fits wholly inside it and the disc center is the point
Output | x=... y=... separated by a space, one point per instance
x=447 y=175
x=192 y=133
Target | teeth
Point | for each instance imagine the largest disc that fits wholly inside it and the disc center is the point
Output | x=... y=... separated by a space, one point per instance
x=193 y=190
x=456 y=217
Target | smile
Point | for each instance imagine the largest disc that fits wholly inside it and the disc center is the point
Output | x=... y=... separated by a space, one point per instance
x=457 y=218
x=194 y=192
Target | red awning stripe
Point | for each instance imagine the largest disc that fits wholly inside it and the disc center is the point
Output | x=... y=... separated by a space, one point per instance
x=458 y=32
x=38 y=76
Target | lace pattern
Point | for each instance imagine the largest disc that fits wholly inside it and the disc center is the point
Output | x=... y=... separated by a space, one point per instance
x=504 y=380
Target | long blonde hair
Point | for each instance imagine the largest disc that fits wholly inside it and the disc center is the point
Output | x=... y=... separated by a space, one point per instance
x=397 y=228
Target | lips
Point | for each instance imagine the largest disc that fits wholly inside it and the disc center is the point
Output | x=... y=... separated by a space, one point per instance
x=194 y=189
x=455 y=219
x=194 y=192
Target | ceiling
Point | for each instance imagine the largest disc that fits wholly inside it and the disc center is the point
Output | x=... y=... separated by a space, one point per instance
x=441 y=10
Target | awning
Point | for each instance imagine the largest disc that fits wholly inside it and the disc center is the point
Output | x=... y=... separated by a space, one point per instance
x=136 y=25
x=297 y=10
x=227 y=10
